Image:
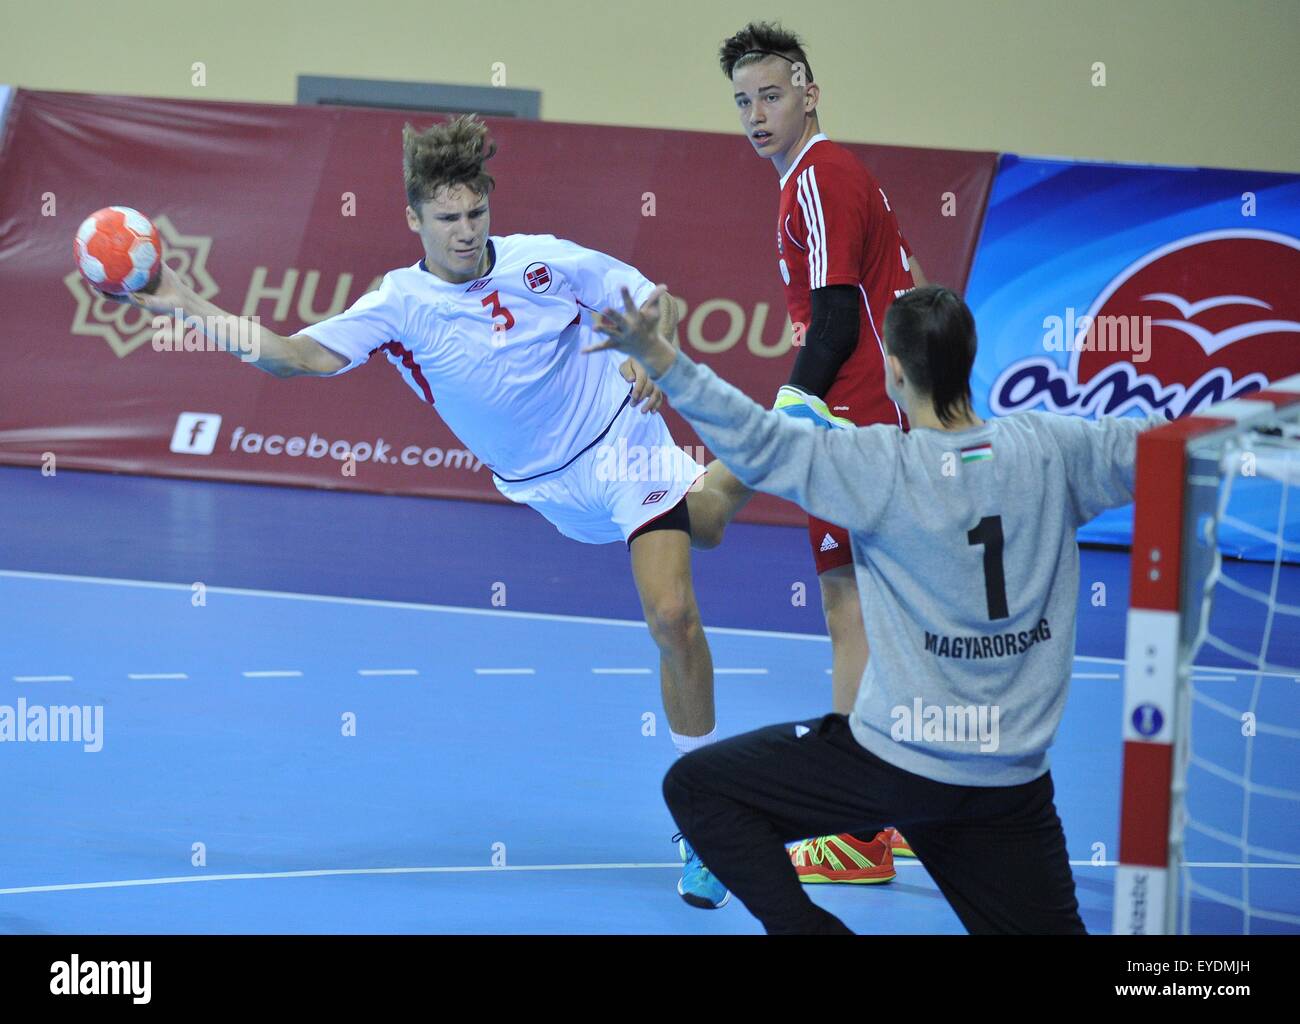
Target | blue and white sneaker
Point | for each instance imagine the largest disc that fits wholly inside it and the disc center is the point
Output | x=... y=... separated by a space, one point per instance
x=798 y=403
x=698 y=886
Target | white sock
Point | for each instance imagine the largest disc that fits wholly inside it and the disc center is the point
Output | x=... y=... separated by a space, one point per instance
x=685 y=744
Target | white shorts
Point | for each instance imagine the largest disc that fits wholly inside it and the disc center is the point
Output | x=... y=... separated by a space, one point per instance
x=634 y=474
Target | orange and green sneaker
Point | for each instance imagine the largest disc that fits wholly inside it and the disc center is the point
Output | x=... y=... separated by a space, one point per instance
x=898 y=846
x=844 y=858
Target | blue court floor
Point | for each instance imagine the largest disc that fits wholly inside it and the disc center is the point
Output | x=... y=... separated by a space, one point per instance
x=315 y=718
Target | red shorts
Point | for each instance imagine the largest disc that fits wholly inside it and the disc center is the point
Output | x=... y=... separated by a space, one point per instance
x=864 y=405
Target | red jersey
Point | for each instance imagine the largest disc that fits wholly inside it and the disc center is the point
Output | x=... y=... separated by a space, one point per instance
x=835 y=227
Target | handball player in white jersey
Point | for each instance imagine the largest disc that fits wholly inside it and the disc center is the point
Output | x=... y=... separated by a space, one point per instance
x=490 y=331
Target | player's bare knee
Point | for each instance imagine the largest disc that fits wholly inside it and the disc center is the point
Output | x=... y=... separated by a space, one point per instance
x=674 y=620
x=706 y=537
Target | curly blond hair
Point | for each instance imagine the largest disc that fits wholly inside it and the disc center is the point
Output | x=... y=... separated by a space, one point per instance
x=445 y=155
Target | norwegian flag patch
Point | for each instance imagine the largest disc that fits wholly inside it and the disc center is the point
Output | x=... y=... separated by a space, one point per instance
x=538 y=277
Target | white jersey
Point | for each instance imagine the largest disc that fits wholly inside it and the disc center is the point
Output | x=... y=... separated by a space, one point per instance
x=501 y=355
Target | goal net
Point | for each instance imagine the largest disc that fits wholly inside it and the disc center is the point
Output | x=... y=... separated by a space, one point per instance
x=1210 y=806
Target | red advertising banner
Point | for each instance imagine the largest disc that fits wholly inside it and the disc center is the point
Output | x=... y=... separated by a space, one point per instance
x=292 y=213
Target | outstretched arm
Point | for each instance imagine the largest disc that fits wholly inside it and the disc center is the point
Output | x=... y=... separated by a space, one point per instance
x=843 y=476
x=284 y=357
x=634 y=371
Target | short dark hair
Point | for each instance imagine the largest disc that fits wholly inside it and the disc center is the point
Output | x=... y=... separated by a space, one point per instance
x=932 y=332
x=444 y=155
x=767 y=38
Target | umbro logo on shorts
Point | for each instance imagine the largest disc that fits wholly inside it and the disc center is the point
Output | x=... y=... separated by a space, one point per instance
x=828 y=543
x=653 y=496
x=801 y=731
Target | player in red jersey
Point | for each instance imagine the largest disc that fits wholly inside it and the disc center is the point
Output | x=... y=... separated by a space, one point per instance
x=843 y=260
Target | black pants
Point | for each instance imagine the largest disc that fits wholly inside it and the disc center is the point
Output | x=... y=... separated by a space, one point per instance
x=996 y=852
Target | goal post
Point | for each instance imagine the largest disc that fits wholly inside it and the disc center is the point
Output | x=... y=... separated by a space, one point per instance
x=1184 y=476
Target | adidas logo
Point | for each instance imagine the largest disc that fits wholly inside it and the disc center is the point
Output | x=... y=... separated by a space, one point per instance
x=801 y=731
x=828 y=543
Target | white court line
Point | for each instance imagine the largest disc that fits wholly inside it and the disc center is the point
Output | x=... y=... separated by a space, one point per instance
x=1192 y=864
x=505 y=671
x=329 y=873
x=621 y=671
x=1237 y=673
x=740 y=671
x=129 y=883
x=156 y=675
x=540 y=616
x=403 y=605
x=1094 y=675
x=388 y=671
x=42 y=679
x=272 y=674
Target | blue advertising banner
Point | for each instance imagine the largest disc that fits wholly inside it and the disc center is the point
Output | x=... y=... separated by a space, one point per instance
x=1106 y=289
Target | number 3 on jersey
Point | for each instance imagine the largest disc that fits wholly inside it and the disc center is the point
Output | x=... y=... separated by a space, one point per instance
x=494 y=300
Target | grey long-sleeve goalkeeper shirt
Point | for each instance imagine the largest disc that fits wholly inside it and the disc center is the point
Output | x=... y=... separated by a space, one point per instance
x=965 y=556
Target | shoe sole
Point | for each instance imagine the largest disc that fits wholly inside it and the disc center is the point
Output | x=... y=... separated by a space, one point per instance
x=702 y=902
x=835 y=880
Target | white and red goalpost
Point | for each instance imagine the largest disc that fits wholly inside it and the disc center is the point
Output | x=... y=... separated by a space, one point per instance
x=1180 y=469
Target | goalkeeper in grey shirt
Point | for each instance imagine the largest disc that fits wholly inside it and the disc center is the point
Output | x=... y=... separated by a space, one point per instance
x=963 y=535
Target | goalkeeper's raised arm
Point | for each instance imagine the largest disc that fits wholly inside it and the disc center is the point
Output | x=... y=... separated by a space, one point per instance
x=298 y=355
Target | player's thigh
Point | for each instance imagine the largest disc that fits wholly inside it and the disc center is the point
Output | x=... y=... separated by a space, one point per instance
x=807 y=778
x=661 y=568
x=1002 y=861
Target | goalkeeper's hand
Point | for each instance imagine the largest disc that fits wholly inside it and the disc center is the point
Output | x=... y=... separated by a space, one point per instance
x=798 y=403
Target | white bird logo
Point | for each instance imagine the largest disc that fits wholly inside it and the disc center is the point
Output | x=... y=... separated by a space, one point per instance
x=1213 y=341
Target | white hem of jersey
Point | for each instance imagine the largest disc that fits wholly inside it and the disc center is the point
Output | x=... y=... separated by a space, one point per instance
x=819 y=137
x=549 y=472
x=933 y=765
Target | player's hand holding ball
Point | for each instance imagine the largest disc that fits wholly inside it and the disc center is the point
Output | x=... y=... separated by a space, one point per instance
x=635 y=332
x=120 y=254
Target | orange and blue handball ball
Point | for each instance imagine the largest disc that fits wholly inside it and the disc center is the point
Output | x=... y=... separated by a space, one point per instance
x=118 y=249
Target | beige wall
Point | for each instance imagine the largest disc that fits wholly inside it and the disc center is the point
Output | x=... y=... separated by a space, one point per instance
x=1209 y=82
